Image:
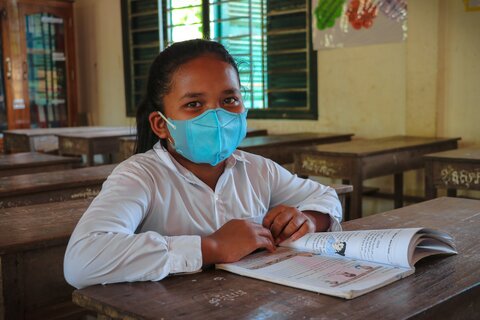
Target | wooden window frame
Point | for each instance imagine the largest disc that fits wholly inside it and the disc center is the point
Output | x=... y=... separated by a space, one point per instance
x=309 y=112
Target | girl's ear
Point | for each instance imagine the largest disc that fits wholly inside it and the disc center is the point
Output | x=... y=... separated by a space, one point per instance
x=158 y=125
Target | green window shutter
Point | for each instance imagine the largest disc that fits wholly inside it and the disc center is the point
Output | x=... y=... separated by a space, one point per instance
x=141 y=44
x=271 y=40
x=291 y=62
x=238 y=25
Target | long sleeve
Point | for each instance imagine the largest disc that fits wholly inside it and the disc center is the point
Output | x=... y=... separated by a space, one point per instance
x=304 y=194
x=105 y=249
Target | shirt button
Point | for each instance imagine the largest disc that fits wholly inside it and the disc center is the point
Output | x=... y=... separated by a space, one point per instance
x=216 y=198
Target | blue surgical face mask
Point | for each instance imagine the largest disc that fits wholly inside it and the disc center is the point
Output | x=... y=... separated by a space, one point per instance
x=209 y=138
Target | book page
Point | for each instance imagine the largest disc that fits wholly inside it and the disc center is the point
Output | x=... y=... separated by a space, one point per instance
x=336 y=276
x=388 y=246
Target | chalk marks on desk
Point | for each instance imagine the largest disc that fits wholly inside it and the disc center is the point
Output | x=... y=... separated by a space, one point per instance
x=220 y=298
x=460 y=177
x=318 y=166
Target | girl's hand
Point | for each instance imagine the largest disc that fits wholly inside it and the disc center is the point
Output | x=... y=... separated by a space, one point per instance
x=288 y=222
x=234 y=240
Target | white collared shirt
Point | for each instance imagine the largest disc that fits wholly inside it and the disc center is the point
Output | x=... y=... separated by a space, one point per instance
x=151 y=212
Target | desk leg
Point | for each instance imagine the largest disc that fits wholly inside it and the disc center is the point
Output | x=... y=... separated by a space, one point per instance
x=90 y=159
x=398 y=190
x=430 y=190
x=90 y=155
x=356 y=198
x=451 y=192
x=347 y=203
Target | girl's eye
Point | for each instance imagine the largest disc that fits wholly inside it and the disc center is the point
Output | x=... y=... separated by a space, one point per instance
x=231 y=101
x=193 y=104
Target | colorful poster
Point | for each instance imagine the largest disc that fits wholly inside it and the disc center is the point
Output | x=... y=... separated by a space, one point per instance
x=349 y=23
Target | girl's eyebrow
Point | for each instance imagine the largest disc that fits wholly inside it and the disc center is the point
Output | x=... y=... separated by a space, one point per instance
x=231 y=91
x=190 y=95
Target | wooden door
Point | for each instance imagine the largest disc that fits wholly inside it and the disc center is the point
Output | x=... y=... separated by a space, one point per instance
x=6 y=70
x=47 y=44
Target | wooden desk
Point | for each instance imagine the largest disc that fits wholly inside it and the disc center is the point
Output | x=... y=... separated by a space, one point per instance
x=358 y=160
x=32 y=245
x=40 y=139
x=442 y=288
x=36 y=188
x=453 y=170
x=281 y=148
x=127 y=144
x=91 y=143
x=33 y=240
x=29 y=162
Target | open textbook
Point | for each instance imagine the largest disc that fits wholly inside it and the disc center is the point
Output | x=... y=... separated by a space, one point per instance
x=345 y=264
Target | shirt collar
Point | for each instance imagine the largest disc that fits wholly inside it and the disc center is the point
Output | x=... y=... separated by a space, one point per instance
x=172 y=164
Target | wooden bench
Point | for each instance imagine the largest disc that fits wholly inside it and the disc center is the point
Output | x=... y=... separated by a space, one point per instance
x=29 y=162
x=91 y=143
x=33 y=240
x=358 y=160
x=46 y=187
x=441 y=288
x=452 y=170
x=127 y=144
x=40 y=139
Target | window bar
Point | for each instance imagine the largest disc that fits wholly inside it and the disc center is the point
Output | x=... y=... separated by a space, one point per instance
x=250 y=27
x=264 y=55
x=206 y=19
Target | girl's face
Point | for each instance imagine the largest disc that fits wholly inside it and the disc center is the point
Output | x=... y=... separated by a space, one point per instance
x=201 y=84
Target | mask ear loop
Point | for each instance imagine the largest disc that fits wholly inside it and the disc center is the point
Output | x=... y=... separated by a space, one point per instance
x=168 y=122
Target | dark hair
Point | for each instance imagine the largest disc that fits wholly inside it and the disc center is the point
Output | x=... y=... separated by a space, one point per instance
x=160 y=80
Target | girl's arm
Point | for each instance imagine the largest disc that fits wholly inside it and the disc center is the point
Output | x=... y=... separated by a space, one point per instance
x=105 y=249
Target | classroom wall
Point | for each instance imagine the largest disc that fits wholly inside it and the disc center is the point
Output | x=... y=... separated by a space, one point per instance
x=427 y=85
x=424 y=86
x=98 y=33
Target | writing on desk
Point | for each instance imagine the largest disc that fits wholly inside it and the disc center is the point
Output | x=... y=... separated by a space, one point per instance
x=217 y=299
x=467 y=178
x=88 y=193
x=318 y=166
x=67 y=144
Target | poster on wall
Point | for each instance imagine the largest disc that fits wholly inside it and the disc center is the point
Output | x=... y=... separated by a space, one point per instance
x=350 y=23
x=472 y=5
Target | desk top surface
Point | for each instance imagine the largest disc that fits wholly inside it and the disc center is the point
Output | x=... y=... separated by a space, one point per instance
x=56 y=131
x=32 y=159
x=290 y=139
x=46 y=181
x=99 y=134
x=367 y=147
x=41 y=225
x=215 y=294
x=462 y=154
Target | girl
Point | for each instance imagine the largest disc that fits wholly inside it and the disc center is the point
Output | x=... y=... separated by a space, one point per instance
x=188 y=198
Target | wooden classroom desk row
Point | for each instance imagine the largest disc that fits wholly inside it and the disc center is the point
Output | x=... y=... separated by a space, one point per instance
x=441 y=288
x=32 y=245
x=30 y=162
x=78 y=141
x=358 y=160
x=280 y=148
x=452 y=170
x=43 y=187
x=45 y=139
